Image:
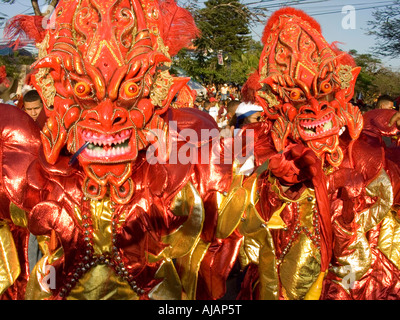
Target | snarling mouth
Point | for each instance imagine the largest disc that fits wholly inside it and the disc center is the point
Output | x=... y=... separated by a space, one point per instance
x=102 y=145
x=317 y=128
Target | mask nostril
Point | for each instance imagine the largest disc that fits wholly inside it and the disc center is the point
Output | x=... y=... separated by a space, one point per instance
x=308 y=111
x=117 y=120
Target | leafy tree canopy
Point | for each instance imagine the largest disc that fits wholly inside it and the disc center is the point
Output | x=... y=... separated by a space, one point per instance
x=374 y=79
x=385 y=27
x=224 y=27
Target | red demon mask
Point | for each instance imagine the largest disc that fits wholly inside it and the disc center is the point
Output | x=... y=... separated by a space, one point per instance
x=103 y=77
x=305 y=85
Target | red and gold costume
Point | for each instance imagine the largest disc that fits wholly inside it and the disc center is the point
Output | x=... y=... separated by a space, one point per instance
x=111 y=224
x=319 y=218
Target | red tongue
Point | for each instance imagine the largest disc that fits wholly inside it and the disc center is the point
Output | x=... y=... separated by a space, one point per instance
x=106 y=147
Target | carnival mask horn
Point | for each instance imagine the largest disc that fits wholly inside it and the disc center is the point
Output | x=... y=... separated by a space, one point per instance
x=305 y=84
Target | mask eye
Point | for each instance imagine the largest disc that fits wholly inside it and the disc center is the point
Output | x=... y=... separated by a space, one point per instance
x=82 y=89
x=131 y=89
x=326 y=87
x=296 y=94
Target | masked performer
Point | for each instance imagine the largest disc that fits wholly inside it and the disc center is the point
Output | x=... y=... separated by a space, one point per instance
x=97 y=185
x=319 y=218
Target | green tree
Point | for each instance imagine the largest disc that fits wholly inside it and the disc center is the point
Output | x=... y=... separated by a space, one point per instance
x=374 y=79
x=224 y=27
x=385 y=27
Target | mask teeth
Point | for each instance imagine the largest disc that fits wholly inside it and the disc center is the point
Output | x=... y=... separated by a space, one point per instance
x=106 y=139
x=111 y=152
x=311 y=127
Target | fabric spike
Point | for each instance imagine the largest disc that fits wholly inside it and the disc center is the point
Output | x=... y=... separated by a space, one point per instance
x=178 y=26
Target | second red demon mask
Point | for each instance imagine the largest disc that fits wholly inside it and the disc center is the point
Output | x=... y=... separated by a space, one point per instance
x=305 y=85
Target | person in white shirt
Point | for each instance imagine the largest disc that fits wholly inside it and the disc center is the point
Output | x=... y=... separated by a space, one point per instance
x=224 y=94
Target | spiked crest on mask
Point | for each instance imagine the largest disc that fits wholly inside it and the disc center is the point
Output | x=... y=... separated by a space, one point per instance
x=305 y=85
x=103 y=76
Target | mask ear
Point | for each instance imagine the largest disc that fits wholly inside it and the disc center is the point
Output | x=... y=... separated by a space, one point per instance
x=354 y=120
x=54 y=138
x=177 y=85
x=279 y=132
x=349 y=79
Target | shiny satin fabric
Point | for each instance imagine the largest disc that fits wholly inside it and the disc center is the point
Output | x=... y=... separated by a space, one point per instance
x=9 y=262
x=285 y=248
x=101 y=281
x=288 y=258
x=364 y=215
x=365 y=252
x=169 y=221
x=368 y=267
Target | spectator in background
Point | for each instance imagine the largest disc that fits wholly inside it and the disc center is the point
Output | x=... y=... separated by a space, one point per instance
x=211 y=90
x=231 y=110
x=33 y=105
x=230 y=119
x=387 y=102
x=206 y=106
x=384 y=102
x=224 y=94
x=214 y=108
x=247 y=113
x=199 y=103
x=14 y=97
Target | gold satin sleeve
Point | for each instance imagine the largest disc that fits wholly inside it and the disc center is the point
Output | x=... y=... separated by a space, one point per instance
x=296 y=275
x=18 y=216
x=389 y=237
x=9 y=263
x=237 y=207
x=359 y=258
x=184 y=246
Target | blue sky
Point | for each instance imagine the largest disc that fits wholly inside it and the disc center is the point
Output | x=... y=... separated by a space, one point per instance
x=327 y=12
